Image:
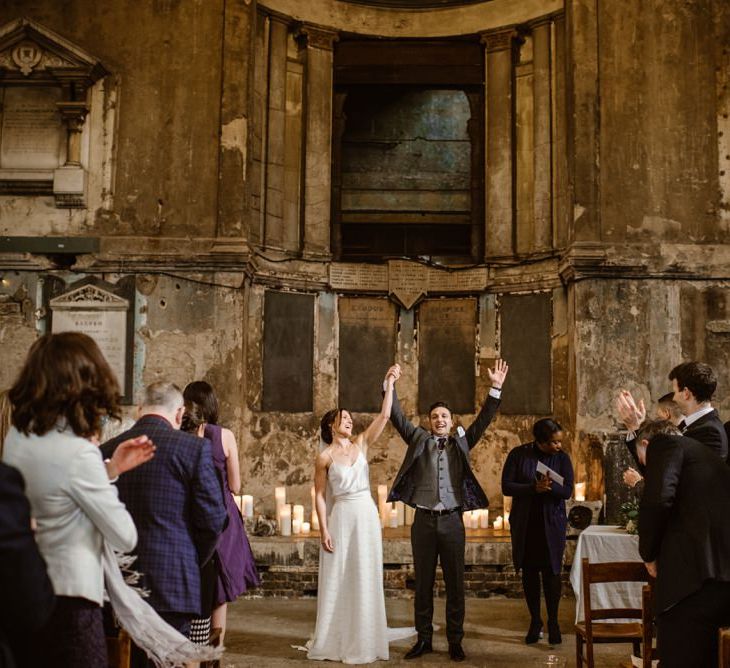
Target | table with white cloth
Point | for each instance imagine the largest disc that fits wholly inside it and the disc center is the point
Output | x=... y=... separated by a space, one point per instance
x=602 y=544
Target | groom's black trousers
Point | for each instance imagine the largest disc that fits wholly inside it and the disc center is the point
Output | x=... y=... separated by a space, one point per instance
x=435 y=538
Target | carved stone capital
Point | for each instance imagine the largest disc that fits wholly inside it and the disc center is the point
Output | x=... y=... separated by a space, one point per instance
x=73 y=114
x=315 y=37
x=498 y=40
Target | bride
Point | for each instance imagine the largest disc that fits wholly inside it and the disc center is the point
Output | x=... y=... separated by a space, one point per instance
x=351 y=625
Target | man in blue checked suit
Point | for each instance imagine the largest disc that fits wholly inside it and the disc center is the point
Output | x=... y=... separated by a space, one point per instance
x=176 y=501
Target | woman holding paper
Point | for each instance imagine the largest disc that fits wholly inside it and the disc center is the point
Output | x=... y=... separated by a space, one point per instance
x=539 y=478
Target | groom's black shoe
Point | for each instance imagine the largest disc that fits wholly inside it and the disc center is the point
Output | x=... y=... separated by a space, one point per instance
x=456 y=652
x=421 y=647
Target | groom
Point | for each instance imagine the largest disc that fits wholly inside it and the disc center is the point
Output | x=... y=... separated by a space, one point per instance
x=437 y=480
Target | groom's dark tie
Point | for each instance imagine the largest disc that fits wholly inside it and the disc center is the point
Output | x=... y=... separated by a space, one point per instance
x=441 y=443
x=682 y=426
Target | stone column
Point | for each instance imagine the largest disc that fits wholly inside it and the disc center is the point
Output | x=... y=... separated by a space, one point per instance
x=318 y=139
x=542 y=137
x=74 y=116
x=560 y=188
x=233 y=187
x=274 y=194
x=499 y=126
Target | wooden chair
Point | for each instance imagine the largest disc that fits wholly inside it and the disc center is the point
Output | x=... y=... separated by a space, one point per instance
x=119 y=649
x=589 y=631
x=725 y=648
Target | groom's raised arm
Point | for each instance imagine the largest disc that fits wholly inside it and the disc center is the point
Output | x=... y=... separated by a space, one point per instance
x=489 y=409
x=404 y=426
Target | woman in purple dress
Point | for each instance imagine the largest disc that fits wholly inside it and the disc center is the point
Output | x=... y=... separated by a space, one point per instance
x=236 y=567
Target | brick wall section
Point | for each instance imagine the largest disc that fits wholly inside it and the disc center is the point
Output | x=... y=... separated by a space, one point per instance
x=289 y=568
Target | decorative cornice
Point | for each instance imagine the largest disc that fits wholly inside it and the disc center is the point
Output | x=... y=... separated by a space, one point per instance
x=315 y=37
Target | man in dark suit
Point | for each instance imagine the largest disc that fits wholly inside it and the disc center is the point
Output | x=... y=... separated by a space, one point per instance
x=27 y=599
x=437 y=480
x=693 y=384
x=176 y=502
x=684 y=538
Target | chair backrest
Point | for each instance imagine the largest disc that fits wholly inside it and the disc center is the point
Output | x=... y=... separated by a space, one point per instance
x=725 y=648
x=617 y=571
x=647 y=621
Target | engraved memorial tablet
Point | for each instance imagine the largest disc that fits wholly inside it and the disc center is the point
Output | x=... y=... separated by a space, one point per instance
x=100 y=314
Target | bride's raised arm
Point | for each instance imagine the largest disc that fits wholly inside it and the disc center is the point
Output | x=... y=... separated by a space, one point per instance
x=375 y=428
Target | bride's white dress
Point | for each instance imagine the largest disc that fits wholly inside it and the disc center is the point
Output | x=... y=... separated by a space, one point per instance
x=351 y=624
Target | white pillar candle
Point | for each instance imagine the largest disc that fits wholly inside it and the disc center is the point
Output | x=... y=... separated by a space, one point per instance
x=506 y=521
x=247 y=505
x=401 y=508
x=315 y=520
x=296 y=526
x=382 y=505
x=285 y=520
x=298 y=513
x=238 y=501
x=410 y=514
x=498 y=523
x=580 y=491
x=393 y=524
x=280 y=496
x=484 y=519
x=305 y=528
x=506 y=504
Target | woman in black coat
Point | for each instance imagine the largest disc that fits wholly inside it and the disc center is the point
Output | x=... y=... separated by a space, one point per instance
x=538 y=521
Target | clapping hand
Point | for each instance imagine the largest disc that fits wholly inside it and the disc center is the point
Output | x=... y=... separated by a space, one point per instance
x=631 y=477
x=130 y=454
x=498 y=374
x=629 y=412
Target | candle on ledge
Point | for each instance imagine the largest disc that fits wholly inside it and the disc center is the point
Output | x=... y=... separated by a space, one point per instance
x=506 y=521
x=484 y=519
x=498 y=523
x=506 y=503
x=410 y=515
x=382 y=505
x=247 y=505
x=393 y=519
x=305 y=528
x=298 y=513
x=285 y=520
x=315 y=520
x=296 y=526
x=580 y=491
x=280 y=496
x=401 y=508
x=239 y=502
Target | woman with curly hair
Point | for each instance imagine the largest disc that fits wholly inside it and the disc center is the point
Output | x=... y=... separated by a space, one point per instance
x=63 y=393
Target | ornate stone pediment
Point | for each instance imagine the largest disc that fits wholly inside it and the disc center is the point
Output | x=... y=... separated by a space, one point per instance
x=89 y=297
x=30 y=52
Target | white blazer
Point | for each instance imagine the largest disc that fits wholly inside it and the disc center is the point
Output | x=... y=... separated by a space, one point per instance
x=74 y=505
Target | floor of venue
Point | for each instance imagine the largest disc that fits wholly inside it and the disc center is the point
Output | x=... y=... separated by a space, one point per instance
x=261 y=632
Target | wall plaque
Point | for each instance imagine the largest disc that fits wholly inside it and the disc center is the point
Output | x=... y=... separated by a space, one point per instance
x=367 y=347
x=288 y=352
x=462 y=280
x=353 y=276
x=102 y=315
x=446 y=353
x=407 y=281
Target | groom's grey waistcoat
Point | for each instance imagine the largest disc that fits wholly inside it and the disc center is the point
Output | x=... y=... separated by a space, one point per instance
x=415 y=473
x=438 y=475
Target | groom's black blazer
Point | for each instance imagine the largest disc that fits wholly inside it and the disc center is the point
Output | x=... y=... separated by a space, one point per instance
x=472 y=494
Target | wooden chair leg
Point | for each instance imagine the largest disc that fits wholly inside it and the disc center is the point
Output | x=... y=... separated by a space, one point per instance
x=578 y=651
x=637 y=648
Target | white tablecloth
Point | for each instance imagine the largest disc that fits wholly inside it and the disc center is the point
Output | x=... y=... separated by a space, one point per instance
x=601 y=544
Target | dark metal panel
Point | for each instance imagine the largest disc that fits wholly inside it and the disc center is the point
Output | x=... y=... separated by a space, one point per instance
x=446 y=353
x=288 y=352
x=526 y=322
x=367 y=345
